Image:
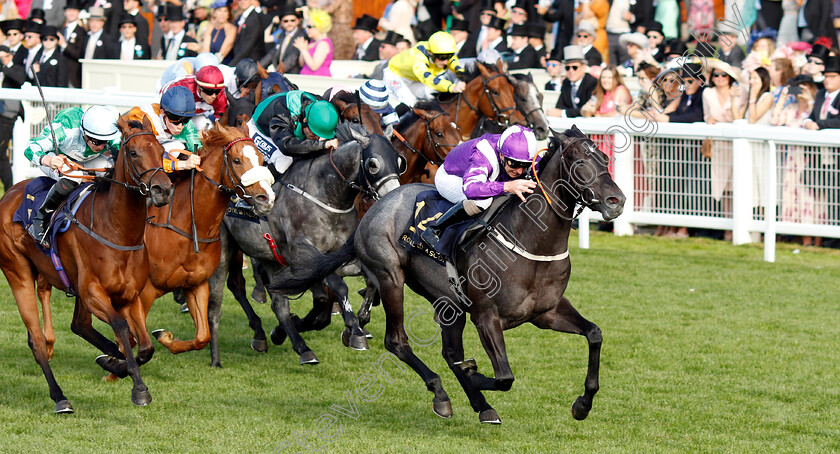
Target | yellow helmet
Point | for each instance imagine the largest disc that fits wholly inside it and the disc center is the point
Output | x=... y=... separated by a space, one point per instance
x=442 y=43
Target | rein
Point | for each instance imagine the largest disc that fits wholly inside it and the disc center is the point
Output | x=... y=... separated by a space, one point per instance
x=364 y=190
x=497 y=112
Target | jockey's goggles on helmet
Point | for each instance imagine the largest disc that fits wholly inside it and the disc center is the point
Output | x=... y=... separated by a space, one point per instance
x=211 y=91
x=176 y=119
x=96 y=142
x=514 y=164
x=442 y=56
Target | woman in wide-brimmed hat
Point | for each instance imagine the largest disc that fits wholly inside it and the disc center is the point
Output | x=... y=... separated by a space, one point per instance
x=722 y=103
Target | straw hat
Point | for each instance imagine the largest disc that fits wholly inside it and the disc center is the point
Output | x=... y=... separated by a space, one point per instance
x=713 y=64
x=634 y=38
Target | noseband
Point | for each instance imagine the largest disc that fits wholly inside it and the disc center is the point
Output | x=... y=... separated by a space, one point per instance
x=566 y=175
x=140 y=186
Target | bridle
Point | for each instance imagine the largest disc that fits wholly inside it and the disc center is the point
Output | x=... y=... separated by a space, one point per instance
x=435 y=145
x=498 y=113
x=238 y=188
x=527 y=114
x=567 y=175
x=130 y=169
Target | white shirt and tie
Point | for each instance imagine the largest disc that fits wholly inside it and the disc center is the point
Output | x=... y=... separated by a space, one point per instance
x=30 y=58
x=93 y=38
x=362 y=49
x=829 y=100
x=127 y=49
x=173 y=43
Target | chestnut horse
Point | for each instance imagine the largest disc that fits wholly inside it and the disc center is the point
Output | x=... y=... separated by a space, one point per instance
x=488 y=94
x=426 y=143
x=104 y=259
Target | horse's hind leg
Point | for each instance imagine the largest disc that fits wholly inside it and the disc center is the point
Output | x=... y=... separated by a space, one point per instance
x=566 y=319
x=236 y=285
x=352 y=336
x=44 y=293
x=20 y=281
x=197 y=302
x=321 y=314
x=258 y=294
x=286 y=327
x=371 y=298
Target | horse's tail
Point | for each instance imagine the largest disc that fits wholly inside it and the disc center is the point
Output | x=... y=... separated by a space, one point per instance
x=311 y=267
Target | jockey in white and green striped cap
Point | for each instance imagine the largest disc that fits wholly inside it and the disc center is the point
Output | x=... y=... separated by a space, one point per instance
x=375 y=94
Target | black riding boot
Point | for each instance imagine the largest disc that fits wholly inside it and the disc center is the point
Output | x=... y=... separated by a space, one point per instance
x=58 y=192
x=453 y=216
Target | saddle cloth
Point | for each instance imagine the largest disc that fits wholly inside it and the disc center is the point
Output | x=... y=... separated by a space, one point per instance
x=36 y=192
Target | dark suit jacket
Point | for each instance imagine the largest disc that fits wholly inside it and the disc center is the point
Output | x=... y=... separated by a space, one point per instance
x=735 y=58
x=289 y=59
x=526 y=59
x=502 y=46
x=20 y=56
x=562 y=11
x=107 y=48
x=14 y=75
x=249 y=39
x=371 y=53
x=468 y=49
x=642 y=10
x=690 y=109
x=35 y=60
x=593 y=57
x=471 y=10
x=142 y=28
x=75 y=50
x=53 y=71
x=832 y=120
x=818 y=16
x=584 y=92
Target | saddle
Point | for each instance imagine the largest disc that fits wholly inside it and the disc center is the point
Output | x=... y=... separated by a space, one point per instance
x=429 y=206
x=34 y=195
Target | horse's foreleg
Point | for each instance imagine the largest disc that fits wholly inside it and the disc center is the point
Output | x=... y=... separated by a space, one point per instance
x=321 y=314
x=258 y=294
x=566 y=319
x=371 y=298
x=135 y=315
x=44 y=293
x=286 y=327
x=493 y=340
x=82 y=327
x=352 y=336
x=471 y=381
x=197 y=303
x=20 y=281
x=236 y=285
x=216 y=286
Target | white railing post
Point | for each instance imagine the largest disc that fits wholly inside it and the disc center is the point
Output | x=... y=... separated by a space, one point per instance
x=20 y=140
x=624 y=178
x=770 y=202
x=742 y=175
x=583 y=229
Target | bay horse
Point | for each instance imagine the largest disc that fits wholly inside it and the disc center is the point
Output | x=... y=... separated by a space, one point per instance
x=532 y=257
x=529 y=102
x=430 y=134
x=104 y=259
x=489 y=94
x=324 y=217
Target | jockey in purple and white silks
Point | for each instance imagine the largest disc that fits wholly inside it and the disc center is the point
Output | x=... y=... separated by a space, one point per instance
x=479 y=169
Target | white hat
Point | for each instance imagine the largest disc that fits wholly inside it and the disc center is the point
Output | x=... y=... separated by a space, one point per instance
x=634 y=38
x=573 y=53
x=586 y=27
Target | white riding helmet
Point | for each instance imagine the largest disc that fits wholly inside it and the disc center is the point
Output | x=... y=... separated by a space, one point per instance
x=100 y=122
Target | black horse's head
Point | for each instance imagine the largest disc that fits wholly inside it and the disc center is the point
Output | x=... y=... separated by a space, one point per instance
x=381 y=164
x=580 y=173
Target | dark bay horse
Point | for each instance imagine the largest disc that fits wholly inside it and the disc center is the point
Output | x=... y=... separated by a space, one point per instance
x=489 y=94
x=529 y=101
x=231 y=165
x=430 y=134
x=108 y=270
x=518 y=273
x=323 y=218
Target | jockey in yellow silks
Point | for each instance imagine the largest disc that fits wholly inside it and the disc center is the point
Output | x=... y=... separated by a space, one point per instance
x=418 y=72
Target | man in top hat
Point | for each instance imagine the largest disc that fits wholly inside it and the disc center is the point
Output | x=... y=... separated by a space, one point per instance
x=464 y=41
x=562 y=13
x=524 y=56
x=367 y=47
x=13 y=76
x=50 y=11
x=387 y=49
x=51 y=66
x=554 y=67
x=816 y=64
x=656 y=41
x=100 y=45
x=284 y=56
x=131 y=46
x=585 y=37
x=72 y=39
x=13 y=29
x=471 y=10
x=487 y=14
x=132 y=8
x=249 y=37
x=729 y=50
x=536 y=37
x=32 y=41
x=518 y=15
x=826 y=112
x=175 y=44
x=578 y=86
x=495 y=38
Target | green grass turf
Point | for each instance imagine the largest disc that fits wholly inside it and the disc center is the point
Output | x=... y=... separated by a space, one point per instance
x=706 y=349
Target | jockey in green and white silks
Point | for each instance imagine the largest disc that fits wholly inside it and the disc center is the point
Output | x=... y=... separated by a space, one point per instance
x=89 y=138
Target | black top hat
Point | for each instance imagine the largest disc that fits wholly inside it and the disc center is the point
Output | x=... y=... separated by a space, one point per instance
x=654 y=27
x=522 y=4
x=800 y=79
x=497 y=22
x=13 y=24
x=487 y=5
x=391 y=38
x=174 y=14
x=34 y=27
x=535 y=29
x=289 y=10
x=819 y=51
x=832 y=64
x=693 y=70
x=366 y=22
x=458 y=24
x=49 y=30
x=518 y=30
x=675 y=47
x=37 y=13
x=556 y=54
x=74 y=4
x=126 y=18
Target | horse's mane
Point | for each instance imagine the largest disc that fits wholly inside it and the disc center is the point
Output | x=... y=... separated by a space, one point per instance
x=429 y=105
x=344 y=132
x=348 y=97
x=471 y=70
x=553 y=142
x=220 y=136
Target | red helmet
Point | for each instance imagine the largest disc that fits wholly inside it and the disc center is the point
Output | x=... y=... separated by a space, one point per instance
x=210 y=77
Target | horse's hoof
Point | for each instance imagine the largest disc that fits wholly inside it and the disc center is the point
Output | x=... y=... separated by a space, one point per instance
x=216 y=364
x=118 y=367
x=308 y=358
x=356 y=342
x=336 y=309
x=489 y=416
x=442 y=408
x=184 y=308
x=258 y=297
x=579 y=409
x=141 y=398
x=368 y=335
x=278 y=335
x=259 y=345
x=503 y=384
x=62 y=407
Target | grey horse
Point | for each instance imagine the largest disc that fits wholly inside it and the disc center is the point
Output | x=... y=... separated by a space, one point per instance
x=314 y=206
x=517 y=272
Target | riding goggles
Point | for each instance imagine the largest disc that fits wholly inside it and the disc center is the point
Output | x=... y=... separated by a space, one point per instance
x=446 y=57
x=96 y=142
x=176 y=119
x=514 y=164
x=211 y=91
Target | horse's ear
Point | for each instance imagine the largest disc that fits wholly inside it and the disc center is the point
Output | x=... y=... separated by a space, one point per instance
x=147 y=123
x=530 y=77
x=483 y=69
x=258 y=94
x=241 y=121
x=122 y=123
x=243 y=126
x=389 y=131
x=339 y=104
x=424 y=114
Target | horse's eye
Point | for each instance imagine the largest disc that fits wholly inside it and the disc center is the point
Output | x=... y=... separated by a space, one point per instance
x=355 y=120
x=373 y=166
x=439 y=134
x=495 y=92
x=237 y=161
x=133 y=153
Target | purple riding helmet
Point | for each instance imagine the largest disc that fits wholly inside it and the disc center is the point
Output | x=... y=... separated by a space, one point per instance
x=518 y=143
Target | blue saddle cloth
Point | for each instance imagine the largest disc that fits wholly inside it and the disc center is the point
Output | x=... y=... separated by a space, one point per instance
x=429 y=206
x=35 y=193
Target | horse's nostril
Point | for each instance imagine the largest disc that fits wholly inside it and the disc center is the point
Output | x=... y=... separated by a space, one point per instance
x=262 y=198
x=612 y=201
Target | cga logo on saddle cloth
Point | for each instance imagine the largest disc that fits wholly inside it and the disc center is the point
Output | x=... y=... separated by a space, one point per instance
x=266 y=147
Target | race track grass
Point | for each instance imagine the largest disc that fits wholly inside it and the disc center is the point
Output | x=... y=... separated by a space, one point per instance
x=706 y=349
